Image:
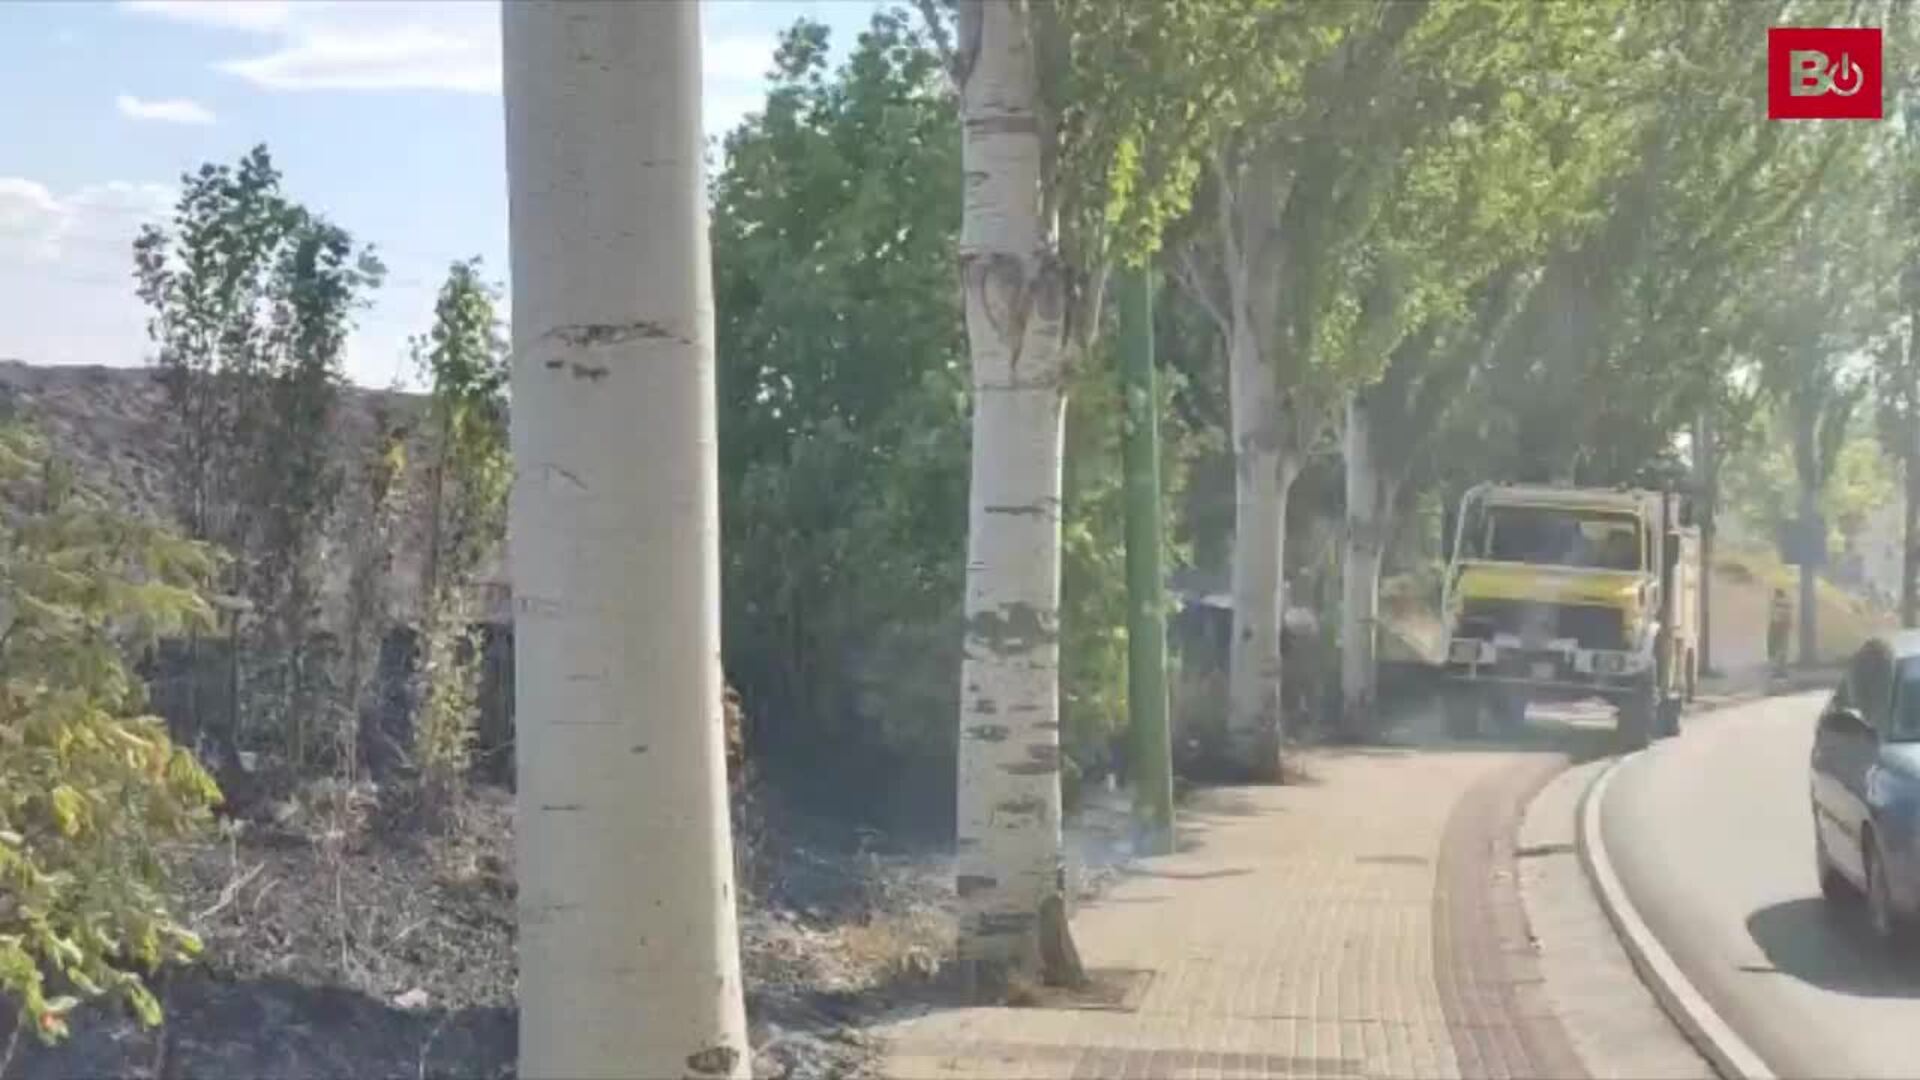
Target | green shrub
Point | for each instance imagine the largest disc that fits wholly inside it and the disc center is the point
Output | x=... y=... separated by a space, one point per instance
x=89 y=784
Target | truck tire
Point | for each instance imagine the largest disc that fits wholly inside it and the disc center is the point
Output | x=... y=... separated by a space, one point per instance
x=1636 y=715
x=1509 y=708
x=1667 y=718
x=1462 y=706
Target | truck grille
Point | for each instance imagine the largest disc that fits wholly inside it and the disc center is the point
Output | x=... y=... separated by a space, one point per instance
x=1592 y=626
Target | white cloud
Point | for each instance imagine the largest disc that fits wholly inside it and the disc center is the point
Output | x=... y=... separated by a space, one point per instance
x=37 y=225
x=254 y=15
x=66 y=270
x=164 y=110
x=413 y=57
x=355 y=44
x=449 y=45
x=67 y=290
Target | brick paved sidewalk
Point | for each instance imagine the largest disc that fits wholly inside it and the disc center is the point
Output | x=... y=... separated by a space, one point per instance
x=1363 y=924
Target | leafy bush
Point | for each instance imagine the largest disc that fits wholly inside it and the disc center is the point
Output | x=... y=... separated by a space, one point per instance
x=464 y=357
x=843 y=408
x=88 y=783
x=444 y=730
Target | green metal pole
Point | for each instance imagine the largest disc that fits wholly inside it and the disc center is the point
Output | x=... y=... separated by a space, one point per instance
x=1152 y=765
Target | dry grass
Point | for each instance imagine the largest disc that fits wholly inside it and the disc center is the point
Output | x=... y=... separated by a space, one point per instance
x=895 y=947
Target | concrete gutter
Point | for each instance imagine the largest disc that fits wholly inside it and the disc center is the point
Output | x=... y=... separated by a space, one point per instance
x=1703 y=1026
x=1730 y=1054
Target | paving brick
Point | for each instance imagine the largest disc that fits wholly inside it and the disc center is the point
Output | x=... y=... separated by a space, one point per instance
x=1293 y=935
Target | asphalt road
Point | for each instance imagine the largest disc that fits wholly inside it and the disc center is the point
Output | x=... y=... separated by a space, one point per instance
x=1712 y=837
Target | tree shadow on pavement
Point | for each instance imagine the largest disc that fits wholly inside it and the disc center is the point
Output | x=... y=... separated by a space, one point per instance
x=1808 y=939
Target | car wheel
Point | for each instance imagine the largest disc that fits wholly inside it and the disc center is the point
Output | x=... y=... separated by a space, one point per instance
x=1834 y=886
x=1881 y=916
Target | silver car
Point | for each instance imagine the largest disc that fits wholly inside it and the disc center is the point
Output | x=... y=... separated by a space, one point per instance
x=1865 y=784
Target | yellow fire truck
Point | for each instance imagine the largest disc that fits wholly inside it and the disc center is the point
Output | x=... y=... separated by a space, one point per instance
x=1555 y=594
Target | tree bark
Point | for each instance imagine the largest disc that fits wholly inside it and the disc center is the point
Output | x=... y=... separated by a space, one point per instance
x=1370 y=493
x=1010 y=858
x=1264 y=471
x=629 y=954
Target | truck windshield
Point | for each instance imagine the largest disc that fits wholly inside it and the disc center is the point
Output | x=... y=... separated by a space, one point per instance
x=1561 y=537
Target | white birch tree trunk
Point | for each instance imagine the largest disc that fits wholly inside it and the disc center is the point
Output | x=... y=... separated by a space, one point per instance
x=629 y=955
x=1264 y=471
x=1364 y=541
x=1008 y=842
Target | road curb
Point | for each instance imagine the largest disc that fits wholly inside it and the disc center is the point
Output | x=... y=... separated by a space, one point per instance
x=1728 y=1053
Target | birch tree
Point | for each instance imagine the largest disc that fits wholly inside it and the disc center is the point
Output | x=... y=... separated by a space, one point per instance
x=1339 y=102
x=1520 y=149
x=1078 y=122
x=1016 y=293
x=628 y=944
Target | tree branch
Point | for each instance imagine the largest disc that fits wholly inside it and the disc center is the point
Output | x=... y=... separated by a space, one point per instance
x=1186 y=270
x=938 y=31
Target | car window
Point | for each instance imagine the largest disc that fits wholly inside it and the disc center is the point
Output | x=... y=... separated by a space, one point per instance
x=1873 y=688
x=1844 y=696
x=1904 y=724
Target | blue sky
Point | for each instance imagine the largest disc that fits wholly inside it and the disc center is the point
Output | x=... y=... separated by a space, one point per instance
x=383 y=114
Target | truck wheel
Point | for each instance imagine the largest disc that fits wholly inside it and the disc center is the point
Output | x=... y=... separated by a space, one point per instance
x=1667 y=719
x=1509 y=711
x=1462 y=705
x=1636 y=709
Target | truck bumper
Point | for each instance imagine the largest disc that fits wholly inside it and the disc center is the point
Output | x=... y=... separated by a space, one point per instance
x=1557 y=667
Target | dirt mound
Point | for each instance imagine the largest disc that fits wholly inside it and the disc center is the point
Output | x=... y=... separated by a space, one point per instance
x=113 y=425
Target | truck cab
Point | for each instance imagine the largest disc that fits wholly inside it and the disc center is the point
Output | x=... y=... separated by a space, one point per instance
x=1557 y=594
